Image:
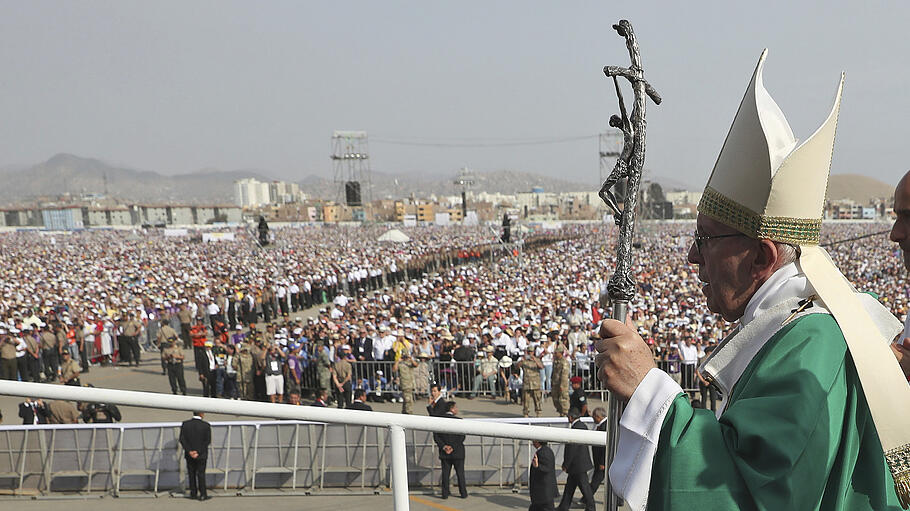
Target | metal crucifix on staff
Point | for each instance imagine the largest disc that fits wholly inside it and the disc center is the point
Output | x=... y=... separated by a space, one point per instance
x=628 y=166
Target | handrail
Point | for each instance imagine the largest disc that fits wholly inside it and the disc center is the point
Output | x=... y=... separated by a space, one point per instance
x=311 y=413
x=396 y=423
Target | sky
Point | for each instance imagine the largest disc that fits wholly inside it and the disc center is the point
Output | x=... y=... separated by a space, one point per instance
x=180 y=86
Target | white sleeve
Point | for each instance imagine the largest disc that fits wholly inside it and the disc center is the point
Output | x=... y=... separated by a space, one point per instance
x=639 y=431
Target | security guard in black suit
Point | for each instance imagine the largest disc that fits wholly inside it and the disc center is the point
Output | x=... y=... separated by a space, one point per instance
x=436 y=406
x=542 y=481
x=576 y=462
x=195 y=437
x=451 y=454
x=599 y=452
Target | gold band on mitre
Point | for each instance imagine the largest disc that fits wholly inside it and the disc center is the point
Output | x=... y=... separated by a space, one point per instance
x=899 y=462
x=797 y=231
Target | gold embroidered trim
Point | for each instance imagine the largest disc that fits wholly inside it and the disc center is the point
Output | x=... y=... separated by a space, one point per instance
x=899 y=462
x=798 y=231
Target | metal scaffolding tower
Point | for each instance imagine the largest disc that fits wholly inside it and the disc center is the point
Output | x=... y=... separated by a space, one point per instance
x=351 y=167
x=464 y=180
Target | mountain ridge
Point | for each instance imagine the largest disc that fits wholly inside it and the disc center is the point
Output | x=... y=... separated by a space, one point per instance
x=68 y=173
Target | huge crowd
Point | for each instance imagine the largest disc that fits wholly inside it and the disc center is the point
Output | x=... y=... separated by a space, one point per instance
x=466 y=317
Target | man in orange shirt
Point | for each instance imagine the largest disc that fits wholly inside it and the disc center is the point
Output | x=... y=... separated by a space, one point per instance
x=198 y=336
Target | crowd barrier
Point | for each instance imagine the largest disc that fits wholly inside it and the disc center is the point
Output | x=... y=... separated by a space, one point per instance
x=459 y=378
x=245 y=457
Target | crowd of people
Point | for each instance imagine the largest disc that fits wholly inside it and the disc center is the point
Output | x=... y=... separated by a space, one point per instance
x=392 y=318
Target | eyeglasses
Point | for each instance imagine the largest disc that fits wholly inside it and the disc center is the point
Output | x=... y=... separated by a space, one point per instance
x=699 y=239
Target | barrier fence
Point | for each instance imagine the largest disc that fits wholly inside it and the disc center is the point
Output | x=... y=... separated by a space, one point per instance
x=111 y=457
x=246 y=457
x=463 y=378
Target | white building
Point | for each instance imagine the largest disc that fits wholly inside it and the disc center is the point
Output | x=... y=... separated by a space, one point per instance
x=283 y=192
x=251 y=193
x=494 y=198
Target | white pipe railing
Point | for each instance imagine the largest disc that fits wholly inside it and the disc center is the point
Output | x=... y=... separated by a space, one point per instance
x=396 y=423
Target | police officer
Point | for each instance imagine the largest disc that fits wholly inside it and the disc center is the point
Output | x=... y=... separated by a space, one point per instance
x=8 y=366
x=407 y=381
x=166 y=336
x=578 y=399
x=69 y=370
x=129 y=341
x=50 y=352
x=560 y=378
x=530 y=389
x=172 y=358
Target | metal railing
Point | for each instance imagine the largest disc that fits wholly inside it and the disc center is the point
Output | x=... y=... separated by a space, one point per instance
x=460 y=378
x=108 y=457
x=244 y=456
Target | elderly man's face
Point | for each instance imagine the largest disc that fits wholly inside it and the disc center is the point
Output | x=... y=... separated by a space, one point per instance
x=724 y=268
x=900 y=232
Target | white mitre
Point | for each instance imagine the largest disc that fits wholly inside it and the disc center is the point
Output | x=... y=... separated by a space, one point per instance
x=764 y=184
x=768 y=186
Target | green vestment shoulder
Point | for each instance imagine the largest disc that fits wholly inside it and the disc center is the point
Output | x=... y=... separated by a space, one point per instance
x=796 y=434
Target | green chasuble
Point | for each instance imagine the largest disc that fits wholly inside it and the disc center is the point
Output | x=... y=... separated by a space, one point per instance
x=796 y=434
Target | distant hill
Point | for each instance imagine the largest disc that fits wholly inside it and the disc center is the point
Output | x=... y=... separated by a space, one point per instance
x=860 y=189
x=387 y=185
x=67 y=173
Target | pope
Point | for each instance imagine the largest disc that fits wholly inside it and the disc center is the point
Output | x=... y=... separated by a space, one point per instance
x=814 y=408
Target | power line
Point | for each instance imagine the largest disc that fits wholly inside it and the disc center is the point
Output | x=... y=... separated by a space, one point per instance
x=509 y=143
x=838 y=242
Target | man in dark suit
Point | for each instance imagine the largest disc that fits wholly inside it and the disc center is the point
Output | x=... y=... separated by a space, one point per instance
x=195 y=437
x=358 y=404
x=363 y=352
x=437 y=405
x=599 y=452
x=451 y=454
x=33 y=411
x=542 y=482
x=576 y=462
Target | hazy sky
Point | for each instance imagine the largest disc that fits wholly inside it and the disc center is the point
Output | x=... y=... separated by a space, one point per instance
x=180 y=86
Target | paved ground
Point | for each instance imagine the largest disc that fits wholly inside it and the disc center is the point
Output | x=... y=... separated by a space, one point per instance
x=484 y=499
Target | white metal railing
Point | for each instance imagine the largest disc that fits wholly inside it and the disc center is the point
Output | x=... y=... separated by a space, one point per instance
x=247 y=455
x=396 y=423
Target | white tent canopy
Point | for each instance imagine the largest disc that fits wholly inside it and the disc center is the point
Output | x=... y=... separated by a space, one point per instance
x=394 y=235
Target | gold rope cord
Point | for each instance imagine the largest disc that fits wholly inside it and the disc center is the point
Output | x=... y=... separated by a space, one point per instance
x=899 y=462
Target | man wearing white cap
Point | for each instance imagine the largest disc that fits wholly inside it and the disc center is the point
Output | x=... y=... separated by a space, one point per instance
x=814 y=412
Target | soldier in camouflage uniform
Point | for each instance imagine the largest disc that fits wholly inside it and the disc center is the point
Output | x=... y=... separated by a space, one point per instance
x=323 y=370
x=530 y=381
x=244 y=365
x=407 y=381
x=560 y=380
